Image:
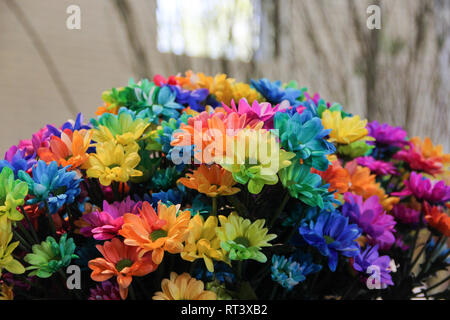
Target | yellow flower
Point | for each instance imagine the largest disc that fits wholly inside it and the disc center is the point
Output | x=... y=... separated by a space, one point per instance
x=202 y=242
x=7 y=261
x=219 y=86
x=225 y=89
x=242 y=90
x=183 y=287
x=114 y=162
x=123 y=128
x=242 y=239
x=344 y=131
x=6 y=292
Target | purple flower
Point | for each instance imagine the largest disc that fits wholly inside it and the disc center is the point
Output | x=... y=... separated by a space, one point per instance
x=377 y=166
x=369 y=259
x=105 y=291
x=17 y=159
x=406 y=215
x=423 y=189
x=371 y=218
x=104 y=225
x=386 y=135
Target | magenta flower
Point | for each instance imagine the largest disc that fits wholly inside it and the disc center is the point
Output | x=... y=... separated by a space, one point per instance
x=38 y=140
x=386 y=135
x=104 y=225
x=371 y=218
x=377 y=166
x=406 y=215
x=105 y=291
x=256 y=112
x=423 y=189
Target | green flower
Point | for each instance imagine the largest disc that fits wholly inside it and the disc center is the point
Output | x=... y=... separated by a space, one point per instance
x=355 y=149
x=219 y=289
x=305 y=185
x=49 y=256
x=241 y=239
x=12 y=194
x=256 y=167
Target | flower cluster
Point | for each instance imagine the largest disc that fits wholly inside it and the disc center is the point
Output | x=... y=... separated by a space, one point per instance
x=203 y=187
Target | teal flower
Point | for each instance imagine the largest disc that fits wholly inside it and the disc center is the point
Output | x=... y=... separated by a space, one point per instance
x=304 y=135
x=50 y=256
x=306 y=186
x=164 y=179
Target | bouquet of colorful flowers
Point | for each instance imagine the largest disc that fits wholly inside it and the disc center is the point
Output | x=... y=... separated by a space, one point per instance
x=198 y=187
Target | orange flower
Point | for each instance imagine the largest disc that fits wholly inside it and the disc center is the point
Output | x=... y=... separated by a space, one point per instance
x=336 y=176
x=437 y=219
x=363 y=183
x=211 y=180
x=121 y=261
x=160 y=232
x=107 y=108
x=208 y=132
x=70 y=149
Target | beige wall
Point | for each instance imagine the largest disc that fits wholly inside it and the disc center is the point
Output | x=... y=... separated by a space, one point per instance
x=320 y=46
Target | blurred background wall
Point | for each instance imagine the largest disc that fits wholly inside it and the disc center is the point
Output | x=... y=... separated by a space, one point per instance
x=398 y=74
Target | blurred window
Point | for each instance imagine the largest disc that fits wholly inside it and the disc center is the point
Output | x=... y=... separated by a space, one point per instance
x=209 y=28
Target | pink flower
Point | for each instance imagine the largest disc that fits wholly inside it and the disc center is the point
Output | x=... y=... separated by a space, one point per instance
x=405 y=214
x=423 y=189
x=371 y=218
x=105 y=291
x=256 y=112
x=105 y=225
x=377 y=166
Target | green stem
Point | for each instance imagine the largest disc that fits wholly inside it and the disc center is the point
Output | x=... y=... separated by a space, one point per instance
x=214 y=206
x=21 y=240
x=25 y=232
x=27 y=218
x=238 y=205
x=413 y=263
x=436 y=285
x=50 y=220
x=280 y=209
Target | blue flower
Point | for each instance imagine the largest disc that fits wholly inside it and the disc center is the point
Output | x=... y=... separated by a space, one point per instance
x=275 y=93
x=289 y=272
x=332 y=235
x=72 y=126
x=169 y=197
x=371 y=258
x=305 y=135
x=52 y=185
x=192 y=98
